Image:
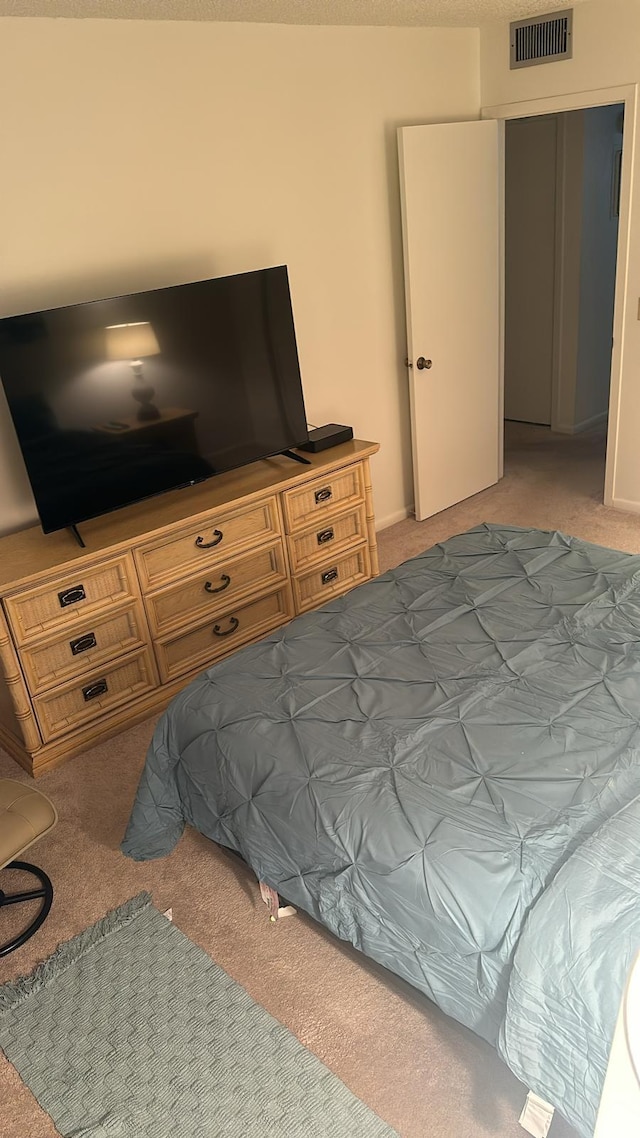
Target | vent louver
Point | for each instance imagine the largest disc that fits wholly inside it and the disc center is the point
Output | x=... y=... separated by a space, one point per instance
x=542 y=39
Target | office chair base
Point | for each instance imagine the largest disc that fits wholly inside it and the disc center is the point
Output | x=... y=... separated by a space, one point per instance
x=44 y=893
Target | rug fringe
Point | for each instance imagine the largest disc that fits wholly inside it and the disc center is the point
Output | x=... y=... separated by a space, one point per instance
x=69 y=951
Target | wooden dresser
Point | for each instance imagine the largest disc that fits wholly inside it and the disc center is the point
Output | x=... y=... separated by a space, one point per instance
x=93 y=640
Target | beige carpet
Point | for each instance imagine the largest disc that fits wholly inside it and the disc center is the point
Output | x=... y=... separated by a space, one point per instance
x=424 y=1074
x=551 y=482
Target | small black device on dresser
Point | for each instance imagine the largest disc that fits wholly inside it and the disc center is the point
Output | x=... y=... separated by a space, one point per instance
x=321 y=438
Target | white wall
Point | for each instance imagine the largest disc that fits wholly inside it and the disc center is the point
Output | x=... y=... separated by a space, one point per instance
x=559 y=181
x=142 y=154
x=605 y=54
x=530 y=252
x=570 y=190
x=597 y=263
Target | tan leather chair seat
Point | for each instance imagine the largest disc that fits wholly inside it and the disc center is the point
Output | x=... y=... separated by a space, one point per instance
x=26 y=814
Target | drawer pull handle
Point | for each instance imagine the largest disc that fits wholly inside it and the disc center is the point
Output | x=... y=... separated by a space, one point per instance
x=233 y=624
x=92 y=691
x=71 y=596
x=83 y=643
x=324 y=536
x=323 y=495
x=217 y=538
x=226 y=581
x=329 y=576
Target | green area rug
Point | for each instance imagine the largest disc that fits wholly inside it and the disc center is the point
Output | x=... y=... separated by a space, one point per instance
x=131 y=1030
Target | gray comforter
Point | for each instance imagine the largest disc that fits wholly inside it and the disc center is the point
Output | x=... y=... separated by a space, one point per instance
x=443 y=767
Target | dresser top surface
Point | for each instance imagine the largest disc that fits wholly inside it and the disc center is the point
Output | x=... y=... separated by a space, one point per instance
x=31 y=554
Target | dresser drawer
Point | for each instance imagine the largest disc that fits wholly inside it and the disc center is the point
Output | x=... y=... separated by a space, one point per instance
x=213 y=591
x=72 y=598
x=74 y=653
x=234 y=627
x=305 y=506
x=75 y=704
x=336 y=535
x=221 y=535
x=334 y=577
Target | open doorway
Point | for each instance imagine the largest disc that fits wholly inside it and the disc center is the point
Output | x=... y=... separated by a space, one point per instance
x=578 y=100
x=562 y=200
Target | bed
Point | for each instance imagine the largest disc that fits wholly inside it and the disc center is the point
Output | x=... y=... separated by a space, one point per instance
x=443 y=767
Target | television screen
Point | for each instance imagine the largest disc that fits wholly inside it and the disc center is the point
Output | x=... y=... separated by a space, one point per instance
x=115 y=400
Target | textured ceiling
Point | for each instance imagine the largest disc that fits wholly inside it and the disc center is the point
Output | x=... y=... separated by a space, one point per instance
x=400 y=13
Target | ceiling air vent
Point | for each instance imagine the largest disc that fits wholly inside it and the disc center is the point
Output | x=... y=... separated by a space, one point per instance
x=542 y=39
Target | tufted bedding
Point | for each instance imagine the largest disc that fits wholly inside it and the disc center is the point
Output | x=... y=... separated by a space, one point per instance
x=443 y=767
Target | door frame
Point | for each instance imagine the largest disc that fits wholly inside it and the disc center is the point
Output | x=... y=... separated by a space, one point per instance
x=556 y=104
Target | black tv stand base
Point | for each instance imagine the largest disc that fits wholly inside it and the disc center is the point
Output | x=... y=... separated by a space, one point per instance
x=76 y=533
x=296 y=457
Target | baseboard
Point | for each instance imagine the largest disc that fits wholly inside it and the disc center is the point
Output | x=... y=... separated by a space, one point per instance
x=392 y=519
x=584 y=425
x=625 y=504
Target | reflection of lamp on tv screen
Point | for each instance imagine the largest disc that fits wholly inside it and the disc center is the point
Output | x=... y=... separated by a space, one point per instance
x=216 y=378
x=131 y=342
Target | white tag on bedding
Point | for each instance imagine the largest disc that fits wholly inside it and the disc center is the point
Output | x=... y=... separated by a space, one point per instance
x=168 y=913
x=536 y=1116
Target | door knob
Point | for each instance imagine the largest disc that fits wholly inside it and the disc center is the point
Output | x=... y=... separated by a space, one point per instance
x=421 y=363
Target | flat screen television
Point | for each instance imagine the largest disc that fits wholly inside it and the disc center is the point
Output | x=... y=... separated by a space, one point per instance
x=117 y=400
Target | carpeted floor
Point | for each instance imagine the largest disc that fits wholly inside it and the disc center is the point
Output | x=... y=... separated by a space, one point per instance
x=551 y=482
x=421 y=1072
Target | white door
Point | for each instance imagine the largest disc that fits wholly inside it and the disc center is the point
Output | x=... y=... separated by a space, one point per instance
x=450 y=192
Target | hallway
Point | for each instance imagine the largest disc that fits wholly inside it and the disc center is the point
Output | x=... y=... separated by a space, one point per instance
x=572 y=465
